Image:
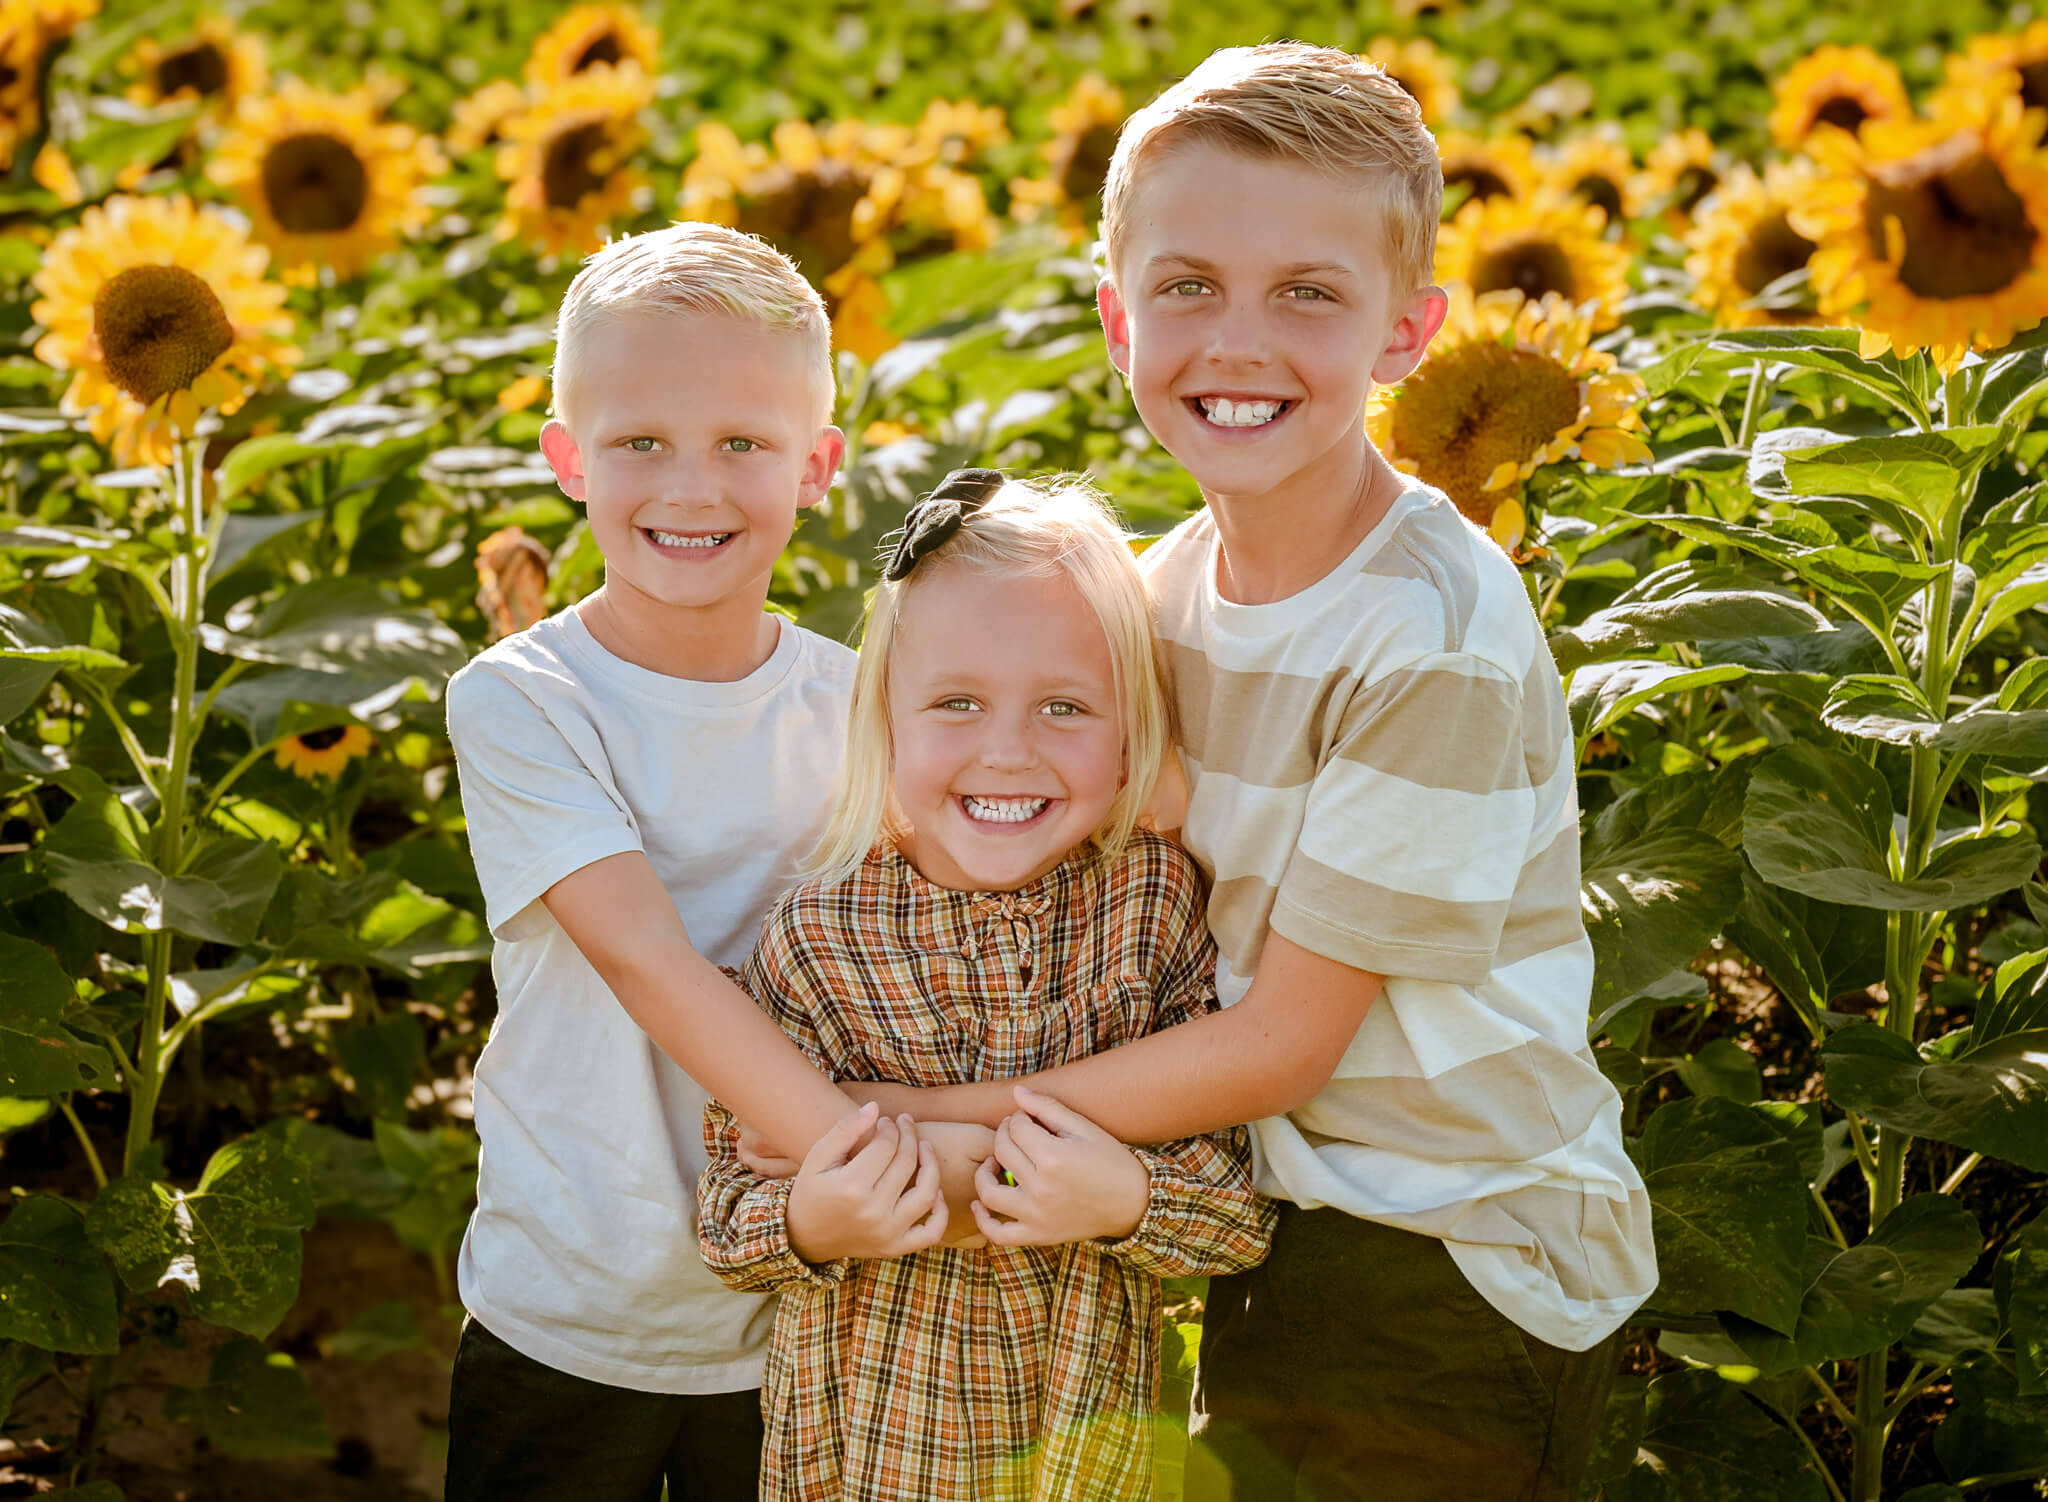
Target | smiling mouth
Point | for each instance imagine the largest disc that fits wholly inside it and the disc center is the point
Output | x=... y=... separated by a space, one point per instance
x=696 y=540
x=1242 y=412
x=1008 y=811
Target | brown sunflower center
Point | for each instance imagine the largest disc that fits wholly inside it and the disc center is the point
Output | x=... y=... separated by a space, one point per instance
x=1843 y=111
x=1478 y=407
x=1405 y=87
x=1693 y=185
x=605 y=49
x=1774 y=249
x=1532 y=266
x=9 y=76
x=1087 y=164
x=320 y=740
x=315 y=183
x=574 y=166
x=159 y=328
x=1479 y=181
x=199 y=67
x=1965 y=231
x=2034 y=84
x=809 y=216
x=1601 y=190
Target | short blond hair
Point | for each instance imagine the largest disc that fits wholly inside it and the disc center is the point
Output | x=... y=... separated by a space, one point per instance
x=1056 y=527
x=699 y=268
x=1288 y=101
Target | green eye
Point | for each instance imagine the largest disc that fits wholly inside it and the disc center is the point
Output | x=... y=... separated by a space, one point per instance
x=1187 y=289
x=741 y=445
x=956 y=702
x=1064 y=708
x=1308 y=294
x=640 y=445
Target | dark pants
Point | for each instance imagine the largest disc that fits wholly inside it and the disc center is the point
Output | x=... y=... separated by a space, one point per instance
x=1357 y=1362
x=520 y=1431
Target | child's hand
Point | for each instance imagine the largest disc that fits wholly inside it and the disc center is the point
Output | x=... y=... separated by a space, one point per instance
x=758 y=1155
x=868 y=1189
x=1072 y=1180
x=962 y=1147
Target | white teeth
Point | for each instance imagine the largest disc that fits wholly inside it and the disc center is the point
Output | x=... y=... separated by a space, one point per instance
x=1226 y=413
x=678 y=540
x=1004 y=810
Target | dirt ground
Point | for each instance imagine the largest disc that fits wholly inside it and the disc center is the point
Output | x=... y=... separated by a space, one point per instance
x=388 y=1417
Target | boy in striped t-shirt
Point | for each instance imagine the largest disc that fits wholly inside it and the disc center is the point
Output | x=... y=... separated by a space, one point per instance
x=1381 y=791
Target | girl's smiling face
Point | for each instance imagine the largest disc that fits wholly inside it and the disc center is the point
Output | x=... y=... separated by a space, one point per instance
x=1004 y=726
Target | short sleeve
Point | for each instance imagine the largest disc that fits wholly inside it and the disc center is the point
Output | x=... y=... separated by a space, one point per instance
x=538 y=808
x=1417 y=825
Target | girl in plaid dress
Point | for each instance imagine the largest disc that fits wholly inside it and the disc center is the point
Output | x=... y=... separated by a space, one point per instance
x=984 y=906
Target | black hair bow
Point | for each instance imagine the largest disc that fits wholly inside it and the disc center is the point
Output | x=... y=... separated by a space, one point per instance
x=934 y=520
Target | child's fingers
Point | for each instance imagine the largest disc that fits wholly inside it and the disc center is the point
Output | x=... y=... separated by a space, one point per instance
x=867 y=1166
x=1057 y=1117
x=843 y=1141
x=903 y=1166
x=998 y=1232
x=1031 y=1139
x=929 y=1229
x=1002 y=1198
x=1009 y=1151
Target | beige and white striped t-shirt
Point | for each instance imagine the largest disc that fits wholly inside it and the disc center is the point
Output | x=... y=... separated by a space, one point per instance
x=1380 y=769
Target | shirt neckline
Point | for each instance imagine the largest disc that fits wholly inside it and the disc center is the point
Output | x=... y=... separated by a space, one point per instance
x=695 y=692
x=1305 y=603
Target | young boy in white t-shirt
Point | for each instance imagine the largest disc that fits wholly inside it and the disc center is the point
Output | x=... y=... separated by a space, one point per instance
x=642 y=774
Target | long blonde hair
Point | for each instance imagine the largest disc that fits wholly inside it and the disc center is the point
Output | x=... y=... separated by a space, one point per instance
x=1053 y=528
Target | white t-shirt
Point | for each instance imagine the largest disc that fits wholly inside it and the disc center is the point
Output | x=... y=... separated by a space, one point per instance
x=1380 y=769
x=582 y=1253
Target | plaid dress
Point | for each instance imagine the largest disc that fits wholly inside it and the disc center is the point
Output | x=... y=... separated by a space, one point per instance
x=1001 y=1374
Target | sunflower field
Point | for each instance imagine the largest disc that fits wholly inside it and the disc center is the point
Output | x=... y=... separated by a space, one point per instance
x=1745 y=369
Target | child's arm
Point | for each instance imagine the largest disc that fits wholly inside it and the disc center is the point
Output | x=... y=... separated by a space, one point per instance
x=1180 y=1211
x=617 y=912
x=1266 y=1055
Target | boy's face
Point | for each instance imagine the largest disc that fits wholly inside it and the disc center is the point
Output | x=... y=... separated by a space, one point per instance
x=1251 y=309
x=696 y=440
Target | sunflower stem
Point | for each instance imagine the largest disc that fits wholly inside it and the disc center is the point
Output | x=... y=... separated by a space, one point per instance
x=188 y=589
x=1760 y=386
x=92 y=1156
x=123 y=731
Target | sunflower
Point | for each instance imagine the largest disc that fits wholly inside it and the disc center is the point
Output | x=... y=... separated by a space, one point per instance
x=1481 y=168
x=1511 y=384
x=512 y=581
x=480 y=120
x=27 y=28
x=213 y=64
x=1679 y=172
x=1084 y=127
x=1422 y=72
x=326 y=183
x=52 y=170
x=2002 y=65
x=161 y=311
x=952 y=134
x=322 y=753
x=1933 y=234
x=592 y=38
x=1596 y=168
x=1547 y=245
x=1742 y=241
x=569 y=160
x=1839 y=88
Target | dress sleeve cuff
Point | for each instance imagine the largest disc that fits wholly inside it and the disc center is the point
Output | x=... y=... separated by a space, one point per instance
x=1154 y=1245
x=775 y=1258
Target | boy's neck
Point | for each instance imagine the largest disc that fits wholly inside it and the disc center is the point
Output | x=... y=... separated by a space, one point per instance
x=717 y=644
x=1279 y=543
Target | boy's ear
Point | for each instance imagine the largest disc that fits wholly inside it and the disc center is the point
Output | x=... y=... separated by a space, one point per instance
x=821 y=465
x=563 y=457
x=1116 y=325
x=1409 y=337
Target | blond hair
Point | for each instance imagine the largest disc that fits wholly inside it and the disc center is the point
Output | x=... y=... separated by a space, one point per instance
x=1290 y=102
x=1054 y=528
x=692 y=268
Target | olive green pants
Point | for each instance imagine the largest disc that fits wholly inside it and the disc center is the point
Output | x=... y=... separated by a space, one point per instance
x=1357 y=1362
